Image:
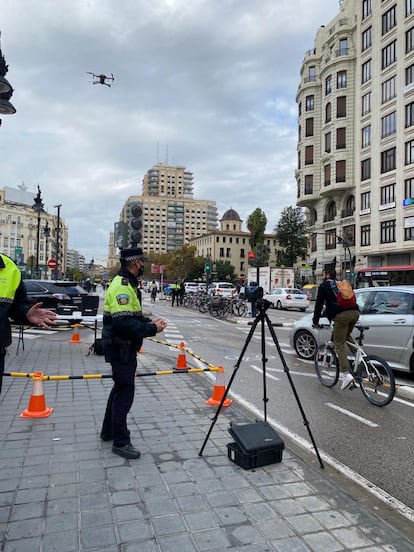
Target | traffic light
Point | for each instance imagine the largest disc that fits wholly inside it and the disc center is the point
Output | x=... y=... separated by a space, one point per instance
x=121 y=234
x=252 y=258
x=134 y=224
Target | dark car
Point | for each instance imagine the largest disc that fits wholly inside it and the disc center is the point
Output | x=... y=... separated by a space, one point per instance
x=62 y=296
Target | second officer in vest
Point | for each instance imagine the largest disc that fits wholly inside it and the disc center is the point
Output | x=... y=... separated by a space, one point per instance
x=124 y=328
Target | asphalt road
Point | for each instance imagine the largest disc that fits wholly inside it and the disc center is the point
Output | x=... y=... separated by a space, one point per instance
x=376 y=443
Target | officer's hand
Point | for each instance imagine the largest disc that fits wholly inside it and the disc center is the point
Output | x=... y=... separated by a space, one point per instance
x=161 y=324
x=316 y=326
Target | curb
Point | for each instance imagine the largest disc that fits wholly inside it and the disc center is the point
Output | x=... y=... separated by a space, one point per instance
x=405 y=391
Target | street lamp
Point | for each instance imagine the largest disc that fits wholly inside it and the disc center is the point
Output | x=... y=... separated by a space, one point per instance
x=38 y=207
x=6 y=90
x=55 y=270
x=46 y=234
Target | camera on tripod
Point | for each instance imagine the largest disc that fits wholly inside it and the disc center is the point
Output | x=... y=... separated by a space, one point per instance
x=262 y=305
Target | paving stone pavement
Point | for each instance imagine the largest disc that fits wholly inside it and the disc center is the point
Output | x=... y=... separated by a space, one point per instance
x=62 y=489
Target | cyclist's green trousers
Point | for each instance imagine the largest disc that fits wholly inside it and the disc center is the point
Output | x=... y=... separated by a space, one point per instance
x=344 y=323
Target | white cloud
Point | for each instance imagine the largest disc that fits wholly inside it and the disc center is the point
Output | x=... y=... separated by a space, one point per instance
x=214 y=81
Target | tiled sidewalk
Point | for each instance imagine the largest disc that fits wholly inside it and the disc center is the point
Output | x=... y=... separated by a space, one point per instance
x=62 y=489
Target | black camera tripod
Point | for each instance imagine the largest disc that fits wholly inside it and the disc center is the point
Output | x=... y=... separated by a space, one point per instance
x=262 y=317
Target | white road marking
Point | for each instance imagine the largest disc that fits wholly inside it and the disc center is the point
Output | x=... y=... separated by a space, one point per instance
x=352 y=415
x=267 y=374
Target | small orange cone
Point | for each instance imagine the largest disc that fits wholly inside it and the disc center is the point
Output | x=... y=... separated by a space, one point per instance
x=37 y=405
x=181 y=360
x=75 y=336
x=141 y=350
x=218 y=390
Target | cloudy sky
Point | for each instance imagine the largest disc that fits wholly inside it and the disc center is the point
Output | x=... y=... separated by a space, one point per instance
x=209 y=84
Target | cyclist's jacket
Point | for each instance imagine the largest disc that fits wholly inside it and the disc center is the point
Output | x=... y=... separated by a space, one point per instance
x=326 y=296
x=13 y=299
x=123 y=321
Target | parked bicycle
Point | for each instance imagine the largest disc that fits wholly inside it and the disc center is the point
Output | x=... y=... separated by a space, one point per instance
x=373 y=374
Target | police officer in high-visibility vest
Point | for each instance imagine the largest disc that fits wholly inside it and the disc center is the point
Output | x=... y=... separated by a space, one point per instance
x=14 y=305
x=124 y=328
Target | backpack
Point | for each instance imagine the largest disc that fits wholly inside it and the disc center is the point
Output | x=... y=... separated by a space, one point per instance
x=344 y=293
x=97 y=347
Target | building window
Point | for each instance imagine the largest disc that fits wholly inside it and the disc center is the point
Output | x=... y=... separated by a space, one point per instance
x=343 y=47
x=328 y=142
x=365 y=201
x=341 y=171
x=221 y=252
x=366 y=169
x=366 y=71
x=388 y=160
x=367 y=39
x=387 y=231
x=328 y=85
x=327 y=175
x=409 y=7
x=341 y=106
x=312 y=73
x=409 y=115
x=388 y=20
x=328 y=112
x=310 y=103
x=366 y=103
x=409 y=152
x=409 y=40
x=341 y=138
x=409 y=74
x=365 y=235
x=409 y=231
x=388 y=54
x=409 y=188
x=330 y=239
x=341 y=79
x=388 y=90
x=331 y=211
x=387 y=194
x=366 y=136
x=308 y=155
x=388 y=124
x=366 y=8
x=309 y=184
x=309 y=127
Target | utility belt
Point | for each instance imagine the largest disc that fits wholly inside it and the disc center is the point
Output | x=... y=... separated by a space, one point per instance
x=125 y=349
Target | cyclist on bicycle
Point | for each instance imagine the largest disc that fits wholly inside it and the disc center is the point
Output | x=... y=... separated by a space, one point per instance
x=344 y=320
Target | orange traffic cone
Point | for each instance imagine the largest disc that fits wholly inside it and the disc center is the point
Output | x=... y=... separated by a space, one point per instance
x=75 y=336
x=37 y=405
x=181 y=360
x=218 y=390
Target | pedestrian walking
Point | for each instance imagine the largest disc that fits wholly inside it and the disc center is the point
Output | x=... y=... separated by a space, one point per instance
x=14 y=305
x=153 y=290
x=124 y=328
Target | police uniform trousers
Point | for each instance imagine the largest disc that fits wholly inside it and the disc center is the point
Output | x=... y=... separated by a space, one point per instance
x=2 y=355
x=121 y=397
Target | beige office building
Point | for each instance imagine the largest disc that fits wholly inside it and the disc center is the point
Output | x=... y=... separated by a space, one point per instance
x=171 y=216
x=355 y=172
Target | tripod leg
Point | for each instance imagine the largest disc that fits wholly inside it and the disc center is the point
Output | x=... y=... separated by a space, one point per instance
x=264 y=361
x=286 y=370
x=236 y=367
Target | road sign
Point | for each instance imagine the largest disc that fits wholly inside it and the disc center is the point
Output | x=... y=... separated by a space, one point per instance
x=51 y=263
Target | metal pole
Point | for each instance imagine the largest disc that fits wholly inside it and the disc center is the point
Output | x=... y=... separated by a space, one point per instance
x=37 y=244
x=55 y=270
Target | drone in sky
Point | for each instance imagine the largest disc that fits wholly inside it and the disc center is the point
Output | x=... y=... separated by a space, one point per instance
x=101 y=79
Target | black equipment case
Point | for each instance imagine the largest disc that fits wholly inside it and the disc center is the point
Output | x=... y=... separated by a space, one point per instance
x=255 y=445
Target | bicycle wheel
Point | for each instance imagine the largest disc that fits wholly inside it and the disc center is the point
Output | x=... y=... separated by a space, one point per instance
x=242 y=309
x=376 y=380
x=203 y=306
x=326 y=365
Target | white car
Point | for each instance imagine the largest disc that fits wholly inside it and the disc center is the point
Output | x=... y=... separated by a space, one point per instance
x=191 y=287
x=286 y=298
x=222 y=288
